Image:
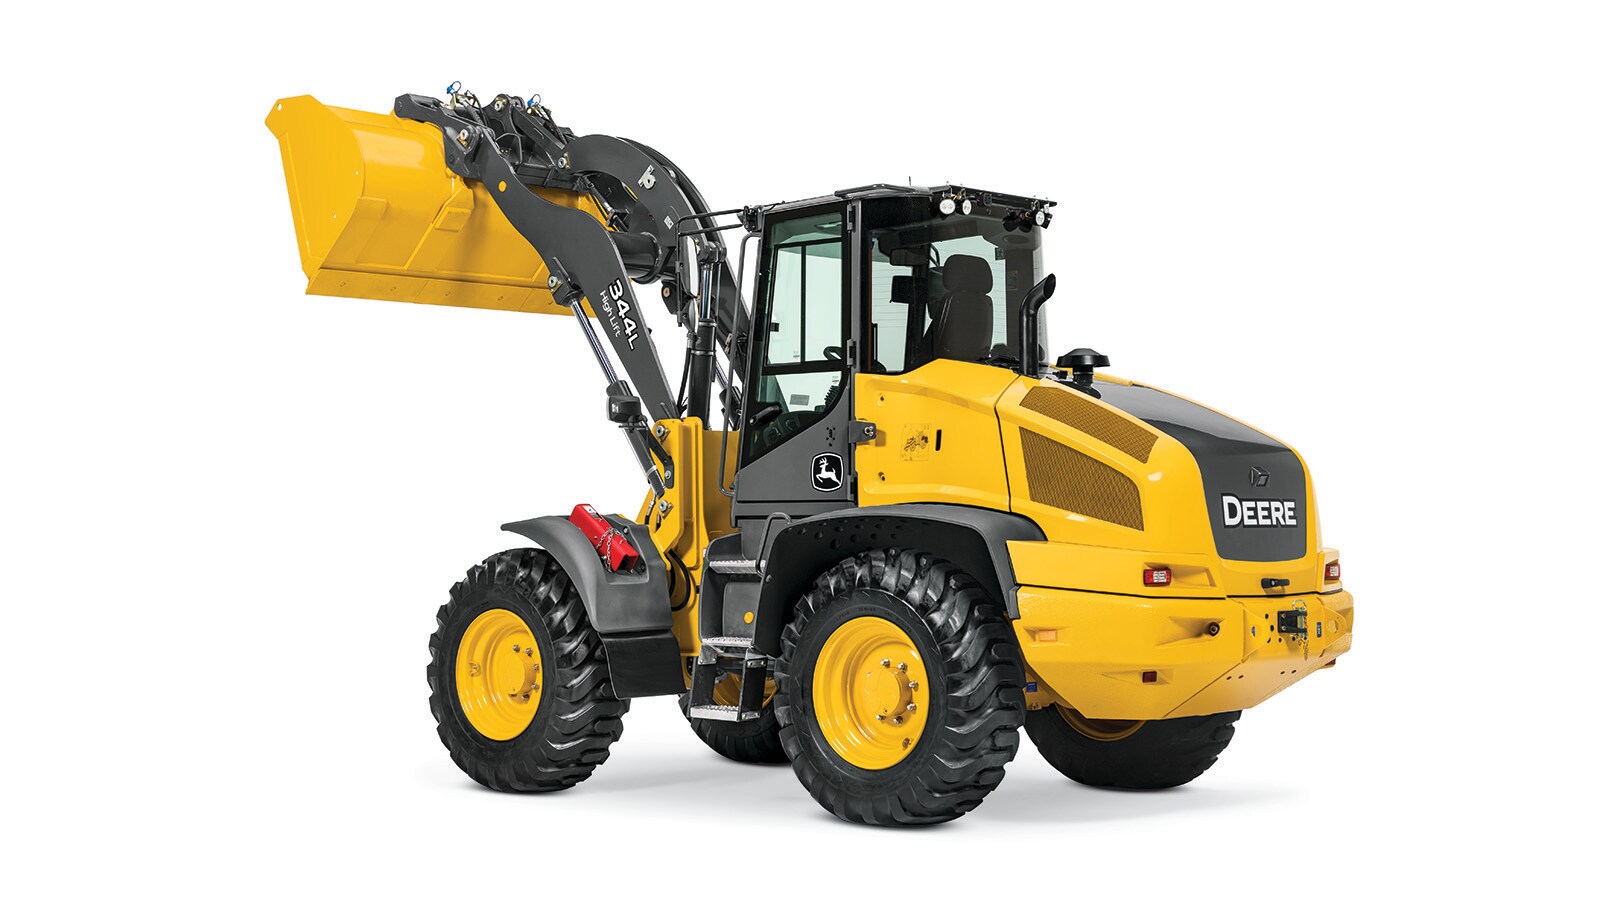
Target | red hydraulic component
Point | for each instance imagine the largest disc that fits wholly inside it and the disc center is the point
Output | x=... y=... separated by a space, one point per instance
x=611 y=544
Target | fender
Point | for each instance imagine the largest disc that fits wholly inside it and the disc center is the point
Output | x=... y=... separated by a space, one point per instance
x=972 y=538
x=632 y=611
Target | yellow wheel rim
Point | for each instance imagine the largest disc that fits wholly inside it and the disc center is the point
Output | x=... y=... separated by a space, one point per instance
x=1099 y=729
x=870 y=693
x=726 y=691
x=498 y=674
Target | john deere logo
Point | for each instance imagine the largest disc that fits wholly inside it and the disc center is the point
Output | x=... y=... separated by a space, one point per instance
x=827 y=472
x=1250 y=513
x=1259 y=476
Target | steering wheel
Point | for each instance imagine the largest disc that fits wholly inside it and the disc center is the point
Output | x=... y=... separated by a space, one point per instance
x=782 y=428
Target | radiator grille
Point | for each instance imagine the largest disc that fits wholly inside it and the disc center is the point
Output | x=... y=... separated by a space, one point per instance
x=1066 y=479
x=1077 y=411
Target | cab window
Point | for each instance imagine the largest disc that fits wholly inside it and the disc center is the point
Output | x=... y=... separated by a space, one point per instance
x=947 y=288
x=800 y=345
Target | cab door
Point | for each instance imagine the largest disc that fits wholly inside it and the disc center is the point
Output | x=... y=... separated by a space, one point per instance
x=795 y=453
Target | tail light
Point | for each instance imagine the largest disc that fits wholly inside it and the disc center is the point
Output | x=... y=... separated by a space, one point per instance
x=1157 y=577
x=1331 y=571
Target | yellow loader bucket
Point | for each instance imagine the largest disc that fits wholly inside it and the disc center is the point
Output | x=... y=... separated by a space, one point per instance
x=379 y=217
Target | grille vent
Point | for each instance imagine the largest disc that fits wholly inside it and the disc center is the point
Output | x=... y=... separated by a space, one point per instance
x=1066 y=479
x=1079 y=412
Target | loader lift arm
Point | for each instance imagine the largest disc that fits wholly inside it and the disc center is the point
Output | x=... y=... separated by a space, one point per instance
x=651 y=210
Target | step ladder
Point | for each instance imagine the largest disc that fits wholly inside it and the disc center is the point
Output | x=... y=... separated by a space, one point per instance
x=735 y=566
x=722 y=655
x=731 y=654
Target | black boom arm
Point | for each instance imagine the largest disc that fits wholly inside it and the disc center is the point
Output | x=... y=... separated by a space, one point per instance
x=655 y=224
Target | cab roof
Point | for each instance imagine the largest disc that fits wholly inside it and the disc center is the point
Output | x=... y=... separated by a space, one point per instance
x=933 y=194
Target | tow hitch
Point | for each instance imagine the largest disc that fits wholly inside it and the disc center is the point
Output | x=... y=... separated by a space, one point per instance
x=1292 y=621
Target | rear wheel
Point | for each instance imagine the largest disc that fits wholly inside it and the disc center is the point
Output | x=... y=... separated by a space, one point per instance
x=1134 y=755
x=518 y=677
x=899 y=690
x=752 y=741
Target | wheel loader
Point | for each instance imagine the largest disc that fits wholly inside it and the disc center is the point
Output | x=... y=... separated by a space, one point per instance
x=910 y=540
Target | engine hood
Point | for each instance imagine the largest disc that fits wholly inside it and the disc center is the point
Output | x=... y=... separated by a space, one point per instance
x=1255 y=486
x=1134 y=473
x=1137 y=468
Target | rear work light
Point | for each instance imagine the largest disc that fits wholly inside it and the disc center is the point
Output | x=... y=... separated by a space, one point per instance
x=1157 y=577
x=1331 y=571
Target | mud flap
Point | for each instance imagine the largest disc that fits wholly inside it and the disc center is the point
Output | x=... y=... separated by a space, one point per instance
x=631 y=610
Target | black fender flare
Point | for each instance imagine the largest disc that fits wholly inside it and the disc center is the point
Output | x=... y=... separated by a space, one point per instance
x=971 y=537
x=631 y=611
x=617 y=602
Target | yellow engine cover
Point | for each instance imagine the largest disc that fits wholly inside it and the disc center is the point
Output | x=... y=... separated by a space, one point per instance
x=378 y=216
x=1114 y=496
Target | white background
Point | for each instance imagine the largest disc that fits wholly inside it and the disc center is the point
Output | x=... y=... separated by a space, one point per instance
x=230 y=510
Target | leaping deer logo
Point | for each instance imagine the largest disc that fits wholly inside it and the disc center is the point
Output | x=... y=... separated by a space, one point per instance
x=826 y=472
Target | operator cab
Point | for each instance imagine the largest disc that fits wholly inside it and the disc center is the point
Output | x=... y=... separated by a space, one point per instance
x=877 y=280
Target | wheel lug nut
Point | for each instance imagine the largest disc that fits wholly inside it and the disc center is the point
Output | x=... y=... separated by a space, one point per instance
x=534 y=688
x=516 y=648
x=913 y=685
x=881 y=717
x=884 y=663
x=898 y=720
x=905 y=744
x=902 y=667
x=911 y=707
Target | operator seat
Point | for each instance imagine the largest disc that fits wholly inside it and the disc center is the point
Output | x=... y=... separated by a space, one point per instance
x=962 y=325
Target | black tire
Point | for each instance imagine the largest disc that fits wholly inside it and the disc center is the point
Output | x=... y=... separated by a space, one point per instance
x=974 y=696
x=1157 y=755
x=578 y=717
x=754 y=741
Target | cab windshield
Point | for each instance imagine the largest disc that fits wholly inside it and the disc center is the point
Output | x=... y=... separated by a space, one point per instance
x=948 y=287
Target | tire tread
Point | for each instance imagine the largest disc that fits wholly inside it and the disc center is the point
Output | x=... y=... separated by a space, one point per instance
x=983 y=697
x=585 y=717
x=1162 y=754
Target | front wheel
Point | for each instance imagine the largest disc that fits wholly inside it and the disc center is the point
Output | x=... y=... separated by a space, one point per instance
x=518 y=679
x=899 y=690
x=1132 y=755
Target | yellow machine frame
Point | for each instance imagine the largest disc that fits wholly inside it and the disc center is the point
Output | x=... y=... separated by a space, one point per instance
x=1093 y=636
x=379 y=215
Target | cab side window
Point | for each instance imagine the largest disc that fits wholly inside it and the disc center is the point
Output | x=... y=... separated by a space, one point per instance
x=800 y=354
